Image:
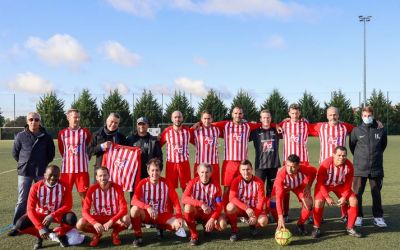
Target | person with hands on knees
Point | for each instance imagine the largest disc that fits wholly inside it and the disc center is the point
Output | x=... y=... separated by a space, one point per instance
x=202 y=201
x=246 y=199
x=104 y=208
x=335 y=175
x=49 y=201
x=152 y=203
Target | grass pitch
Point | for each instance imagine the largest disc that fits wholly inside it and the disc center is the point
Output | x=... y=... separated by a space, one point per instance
x=334 y=236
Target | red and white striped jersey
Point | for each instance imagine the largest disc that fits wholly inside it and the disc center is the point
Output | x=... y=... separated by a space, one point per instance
x=251 y=194
x=160 y=196
x=292 y=182
x=236 y=140
x=208 y=194
x=72 y=145
x=124 y=165
x=206 y=141
x=330 y=137
x=336 y=175
x=177 y=144
x=49 y=199
x=105 y=202
x=295 y=136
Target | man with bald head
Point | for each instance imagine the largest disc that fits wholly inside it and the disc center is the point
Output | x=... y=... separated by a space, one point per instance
x=177 y=138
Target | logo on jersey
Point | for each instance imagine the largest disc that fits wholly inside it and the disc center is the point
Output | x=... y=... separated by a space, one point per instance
x=74 y=149
x=208 y=140
x=377 y=137
x=120 y=163
x=333 y=140
x=268 y=145
x=105 y=211
x=237 y=137
x=178 y=149
x=295 y=138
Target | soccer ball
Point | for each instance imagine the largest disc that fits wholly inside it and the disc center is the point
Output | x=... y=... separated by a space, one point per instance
x=283 y=237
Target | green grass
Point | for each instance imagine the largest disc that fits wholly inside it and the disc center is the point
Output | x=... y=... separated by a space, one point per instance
x=333 y=237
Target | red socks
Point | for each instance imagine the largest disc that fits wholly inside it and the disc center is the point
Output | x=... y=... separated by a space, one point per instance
x=137 y=226
x=305 y=213
x=30 y=230
x=232 y=219
x=352 y=216
x=318 y=213
x=191 y=223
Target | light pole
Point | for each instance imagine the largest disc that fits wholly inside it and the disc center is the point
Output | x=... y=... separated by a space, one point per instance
x=365 y=19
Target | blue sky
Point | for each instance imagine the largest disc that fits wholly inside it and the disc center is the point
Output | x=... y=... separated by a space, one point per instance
x=195 y=45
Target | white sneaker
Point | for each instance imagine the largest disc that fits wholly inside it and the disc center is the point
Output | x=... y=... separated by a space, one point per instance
x=380 y=222
x=181 y=232
x=358 y=222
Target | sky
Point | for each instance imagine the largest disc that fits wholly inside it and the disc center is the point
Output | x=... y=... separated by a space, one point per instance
x=194 y=46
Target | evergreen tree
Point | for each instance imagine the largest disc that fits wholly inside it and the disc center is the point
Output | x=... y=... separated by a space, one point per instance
x=339 y=100
x=51 y=110
x=20 y=121
x=247 y=103
x=115 y=103
x=310 y=108
x=278 y=106
x=2 y=119
x=213 y=104
x=149 y=107
x=86 y=104
x=180 y=102
x=382 y=106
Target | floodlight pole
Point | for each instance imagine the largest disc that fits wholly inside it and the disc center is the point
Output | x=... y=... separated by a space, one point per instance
x=365 y=19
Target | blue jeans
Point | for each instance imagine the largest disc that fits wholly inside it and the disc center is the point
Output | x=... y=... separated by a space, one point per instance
x=24 y=185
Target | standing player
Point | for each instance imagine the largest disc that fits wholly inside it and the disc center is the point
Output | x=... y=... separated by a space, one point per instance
x=297 y=178
x=152 y=202
x=295 y=136
x=203 y=202
x=236 y=134
x=177 y=138
x=72 y=144
x=246 y=199
x=331 y=134
x=104 y=208
x=49 y=201
x=205 y=138
x=335 y=174
x=266 y=145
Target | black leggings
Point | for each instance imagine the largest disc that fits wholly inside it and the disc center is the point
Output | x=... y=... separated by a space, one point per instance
x=268 y=176
x=24 y=222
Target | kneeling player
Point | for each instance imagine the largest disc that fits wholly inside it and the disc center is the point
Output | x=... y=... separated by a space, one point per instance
x=151 y=203
x=335 y=175
x=49 y=201
x=297 y=178
x=203 y=202
x=246 y=199
x=109 y=209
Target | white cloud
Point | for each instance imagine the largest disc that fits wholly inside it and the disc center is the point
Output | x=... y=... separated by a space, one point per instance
x=117 y=53
x=12 y=52
x=122 y=88
x=31 y=83
x=200 y=61
x=196 y=87
x=275 y=42
x=270 y=8
x=59 y=49
x=141 y=8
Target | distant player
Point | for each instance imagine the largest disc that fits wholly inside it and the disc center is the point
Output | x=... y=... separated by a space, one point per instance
x=297 y=178
x=152 y=203
x=335 y=174
x=104 y=208
x=72 y=144
x=205 y=138
x=49 y=201
x=246 y=199
x=177 y=138
x=202 y=201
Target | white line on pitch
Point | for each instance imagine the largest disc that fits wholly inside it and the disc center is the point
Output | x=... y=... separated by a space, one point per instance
x=8 y=171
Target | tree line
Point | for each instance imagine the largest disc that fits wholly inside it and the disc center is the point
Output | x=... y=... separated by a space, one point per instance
x=52 y=109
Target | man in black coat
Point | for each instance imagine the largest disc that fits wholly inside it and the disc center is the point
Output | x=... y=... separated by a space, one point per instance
x=367 y=144
x=148 y=144
x=103 y=138
x=33 y=150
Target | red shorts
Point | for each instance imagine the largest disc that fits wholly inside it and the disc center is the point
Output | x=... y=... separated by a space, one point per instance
x=242 y=213
x=230 y=169
x=215 y=172
x=178 y=170
x=299 y=194
x=199 y=215
x=336 y=190
x=160 y=220
x=81 y=180
x=102 y=219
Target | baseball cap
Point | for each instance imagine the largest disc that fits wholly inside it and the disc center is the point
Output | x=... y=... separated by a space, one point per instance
x=142 y=120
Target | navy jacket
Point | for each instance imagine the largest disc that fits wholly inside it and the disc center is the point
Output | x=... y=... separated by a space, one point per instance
x=33 y=152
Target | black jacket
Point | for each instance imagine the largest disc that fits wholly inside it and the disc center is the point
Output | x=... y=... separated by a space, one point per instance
x=100 y=136
x=33 y=152
x=150 y=148
x=266 y=144
x=367 y=144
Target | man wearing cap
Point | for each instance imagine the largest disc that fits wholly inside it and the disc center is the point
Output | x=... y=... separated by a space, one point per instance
x=148 y=144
